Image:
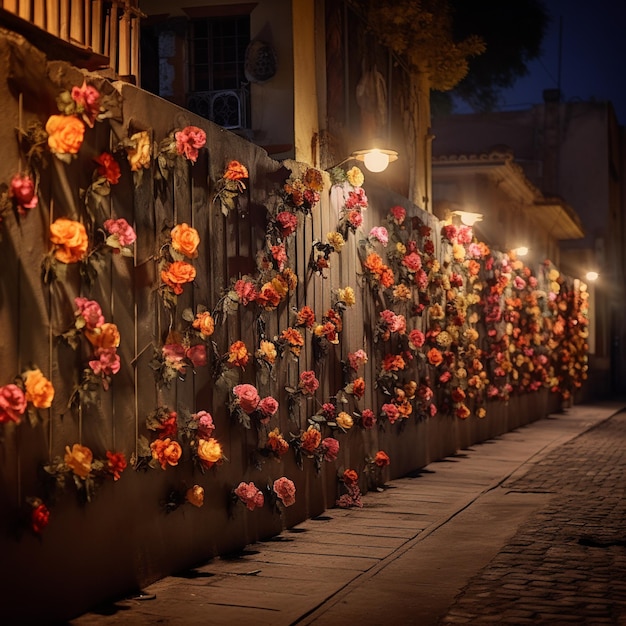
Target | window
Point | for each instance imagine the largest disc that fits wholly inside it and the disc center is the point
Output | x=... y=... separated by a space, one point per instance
x=218 y=51
x=218 y=88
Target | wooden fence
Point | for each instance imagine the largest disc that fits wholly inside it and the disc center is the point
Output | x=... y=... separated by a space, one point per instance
x=124 y=533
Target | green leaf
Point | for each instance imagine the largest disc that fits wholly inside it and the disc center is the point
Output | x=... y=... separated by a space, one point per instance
x=188 y=315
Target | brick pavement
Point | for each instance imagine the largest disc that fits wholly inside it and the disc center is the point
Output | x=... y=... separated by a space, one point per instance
x=567 y=563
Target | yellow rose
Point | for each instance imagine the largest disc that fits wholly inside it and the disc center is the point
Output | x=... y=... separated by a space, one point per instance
x=204 y=323
x=39 y=389
x=65 y=134
x=209 y=451
x=79 y=459
x=355 y=176
x=139 y=155
x=336 y=240
x=344 y=420
x=347 y=296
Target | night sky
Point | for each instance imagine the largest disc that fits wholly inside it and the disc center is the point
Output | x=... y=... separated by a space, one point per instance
x=593 y=62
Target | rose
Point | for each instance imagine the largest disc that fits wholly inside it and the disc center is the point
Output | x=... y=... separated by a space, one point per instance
x=276 y=443
x=139 y=153
x=195 y=495
x=416 y=338
x=247 y=397
x=350 y=477
x=107 y=363
x=398 y=214
x=116 y=463
x=379 y=233
x=65 y=134
x=71 y=240
x=87 y=99
x=434 y=357
x=209 y=451
x=121 y=230
x=308 y=382
x=235 y=171
x=368 y=419
x=391 y=411
x=249 y=495
x=90 y=312
x=358 y=388
x=39 y=389
x=166 y=452
x=310 y=439
x=174 y=355
x=189 y=140
x=344 y=420
x=381 y=459
x=197 y=355
x=331 y=448
x=267 y=351
x=39 y=517
x=12 y=403
x=205 y=424
x=285 y=490
x=24 y=193
x=105 y=336
x=109 y=168
x=185 y=239
x=268 y=407
x=79 y=459
x=288 y=222
x=355 y=176
x=205 y=323
x=238 y=355
x=177 y=274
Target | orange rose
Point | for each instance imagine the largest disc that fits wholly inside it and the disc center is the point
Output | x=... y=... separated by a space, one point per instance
x=358 y=387
x=105 y=336
x=209 y=451
x=434 y=357
x=344 y=420
x=373 y=263
x=185 y=240
x=177 y=274
x=310 y=439
x=71 y=240
x=350 y=477
x=195 y=495
x=235 y=171
x=65 y=134
x=313 y=179
x=267 y=351
x=166 y=452
x=381 y=459
x=204 y=323
x=238 y=355
x=39 y=389
x=79 y=459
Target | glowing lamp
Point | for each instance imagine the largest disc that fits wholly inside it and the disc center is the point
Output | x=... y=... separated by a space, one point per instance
x=592 y=275
x=376 y=159
x=468 y=218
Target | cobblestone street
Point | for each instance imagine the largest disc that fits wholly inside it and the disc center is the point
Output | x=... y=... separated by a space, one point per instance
x=567 y=563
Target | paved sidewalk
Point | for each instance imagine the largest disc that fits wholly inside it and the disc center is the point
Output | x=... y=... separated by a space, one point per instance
x=448 y=532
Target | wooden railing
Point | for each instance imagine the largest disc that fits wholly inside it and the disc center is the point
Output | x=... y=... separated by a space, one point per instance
x=107 y=27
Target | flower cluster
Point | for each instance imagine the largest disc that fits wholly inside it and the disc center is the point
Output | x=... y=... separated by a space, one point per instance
x=230 y=186
x=246 y=404
x=175 y=270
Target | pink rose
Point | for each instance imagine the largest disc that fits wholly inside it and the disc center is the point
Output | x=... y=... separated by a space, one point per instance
x=23 y=192
x=205 y=424
x=331 y=448
x=417 y=338
x=398 y=213
x=12 y=404
x=247 y=396
x=122 y=230
x=197 y=355
x=87 y=99
x=285 y=490
x=288 y=222
x=280 y=256
x=380 y=234
x=391 y=411
x=268 y=406
x=189 y=140
x=308 y=382
x=107 y=363
x=90 y=311
x=246 y=291
x=250 y=495
x=412 y=261
x=368 y=419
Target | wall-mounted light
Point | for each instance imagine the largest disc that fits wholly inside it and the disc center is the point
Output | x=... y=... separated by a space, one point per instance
x=375 y=159
x=521 y=251
x=468 y=218
x=592 y=276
